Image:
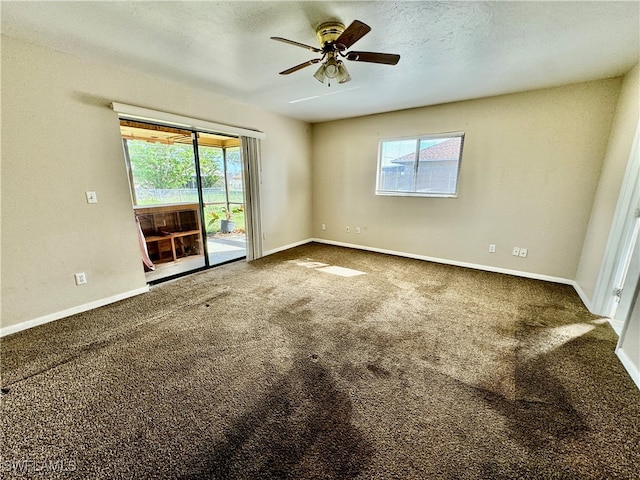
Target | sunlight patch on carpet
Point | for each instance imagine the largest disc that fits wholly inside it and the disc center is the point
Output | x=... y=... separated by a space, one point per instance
x=326 y=268
x=556 y=337
x=341 y=271
x=308 y=263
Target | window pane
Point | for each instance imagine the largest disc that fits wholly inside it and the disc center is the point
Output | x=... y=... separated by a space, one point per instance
x=212 y=173
x=234 y=175
x=397 y=165
x=211 y=167
x=438 y=165
x=424 y=166
x=162 y=173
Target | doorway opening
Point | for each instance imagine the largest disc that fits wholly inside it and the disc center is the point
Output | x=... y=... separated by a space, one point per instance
x=187 y=190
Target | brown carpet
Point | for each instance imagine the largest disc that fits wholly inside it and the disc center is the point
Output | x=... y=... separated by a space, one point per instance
x=281 y=369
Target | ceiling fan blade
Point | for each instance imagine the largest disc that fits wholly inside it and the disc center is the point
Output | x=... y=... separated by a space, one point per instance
x=352 y=34
x=300 y=67
x=374 y=57
x=297 y=44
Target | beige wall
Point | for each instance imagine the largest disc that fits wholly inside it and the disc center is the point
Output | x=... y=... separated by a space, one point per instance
x=530 y=169
x=614 y=166
x=59 y=140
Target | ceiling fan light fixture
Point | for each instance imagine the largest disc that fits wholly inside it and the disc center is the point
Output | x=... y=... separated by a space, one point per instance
x=320 y=74
x=343 y=75
x=331 y=68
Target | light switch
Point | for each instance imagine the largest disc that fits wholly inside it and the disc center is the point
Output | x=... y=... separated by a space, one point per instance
x=92 y=197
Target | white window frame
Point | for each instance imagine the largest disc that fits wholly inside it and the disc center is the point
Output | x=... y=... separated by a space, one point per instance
x=418 y=139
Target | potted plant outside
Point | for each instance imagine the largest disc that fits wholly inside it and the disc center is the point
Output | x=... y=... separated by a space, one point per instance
x=227 y=225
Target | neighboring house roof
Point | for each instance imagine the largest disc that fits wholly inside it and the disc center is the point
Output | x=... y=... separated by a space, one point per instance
x=447 y=150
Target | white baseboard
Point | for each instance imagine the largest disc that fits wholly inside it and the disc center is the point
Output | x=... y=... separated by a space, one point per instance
x=286 y=247
x=583 y=297
x=617 y=325
x=631 y=368
x=4 y=331
x=476 y=266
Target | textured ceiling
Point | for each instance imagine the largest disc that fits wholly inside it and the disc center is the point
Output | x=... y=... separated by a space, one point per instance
x=449 y=51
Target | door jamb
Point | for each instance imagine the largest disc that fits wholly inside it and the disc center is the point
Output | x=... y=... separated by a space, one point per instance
x=604 y=297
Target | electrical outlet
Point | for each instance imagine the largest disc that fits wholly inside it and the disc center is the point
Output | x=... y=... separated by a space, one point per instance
x=523 y=252
x=516 y=251
x=81 y=278
x=357 y=229
x=324 y=227
x=492 y=248
x=91 y=197
x=348 y=229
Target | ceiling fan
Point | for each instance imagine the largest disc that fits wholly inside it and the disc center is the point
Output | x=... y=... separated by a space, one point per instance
x=335 y=41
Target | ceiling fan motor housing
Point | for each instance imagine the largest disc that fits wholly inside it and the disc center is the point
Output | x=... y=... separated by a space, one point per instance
x=329 y=32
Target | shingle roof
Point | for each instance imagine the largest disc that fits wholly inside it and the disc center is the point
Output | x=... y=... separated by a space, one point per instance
x=447 y=150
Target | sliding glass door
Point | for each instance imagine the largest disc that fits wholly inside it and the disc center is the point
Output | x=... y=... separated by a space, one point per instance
x=188 y=193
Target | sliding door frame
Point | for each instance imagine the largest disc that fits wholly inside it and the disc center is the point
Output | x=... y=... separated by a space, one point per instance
x=250 y=155
x=203 y=226
x=250 y=184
